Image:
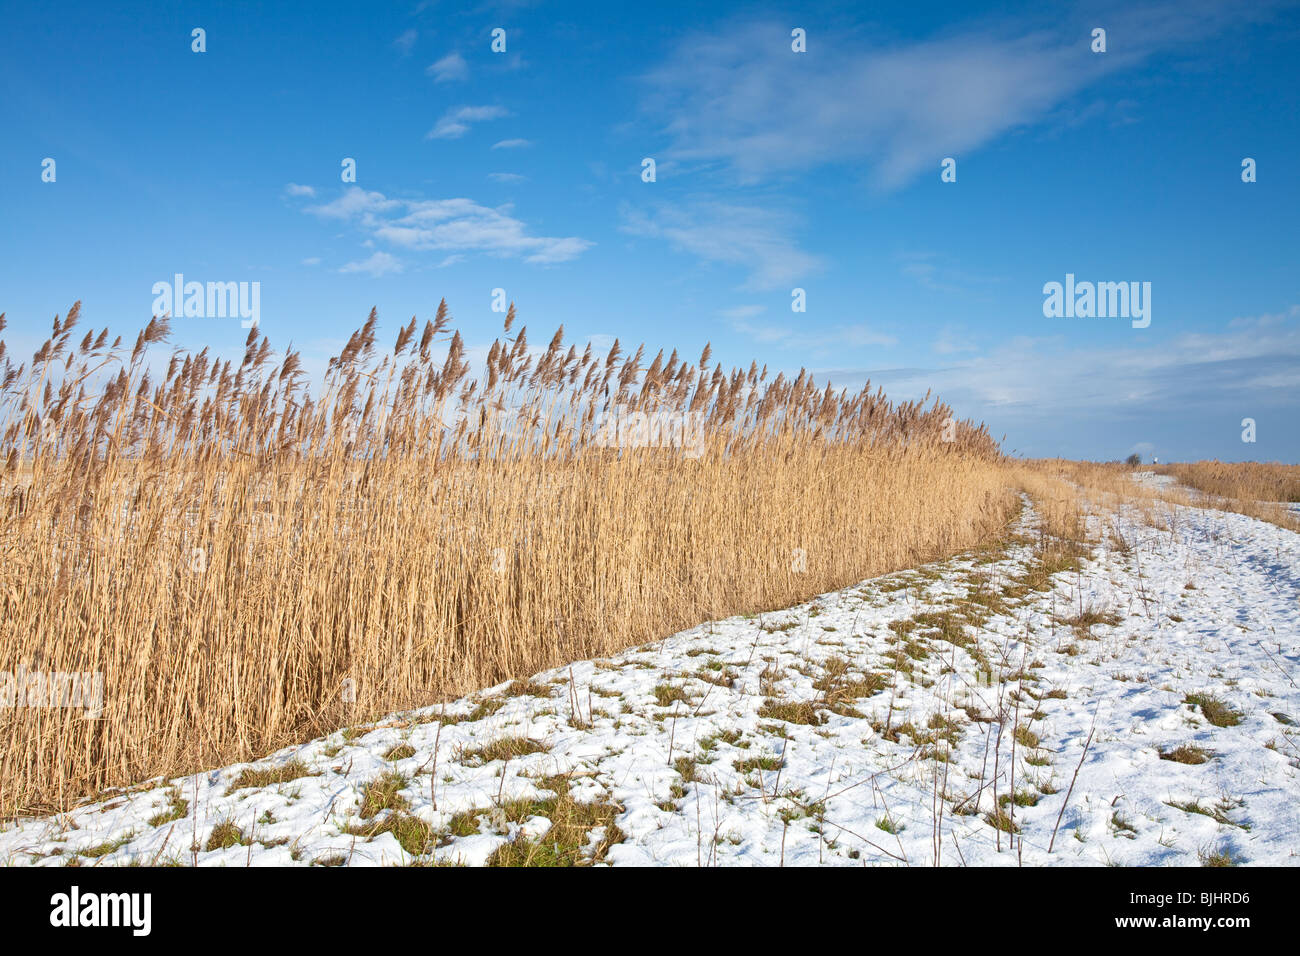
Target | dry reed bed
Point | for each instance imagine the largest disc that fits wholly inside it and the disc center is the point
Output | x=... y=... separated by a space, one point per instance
x=1259 y=481
x=1256 y=489
x=228 y=549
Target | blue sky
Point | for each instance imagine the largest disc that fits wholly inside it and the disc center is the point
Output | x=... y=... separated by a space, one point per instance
x=819 y=170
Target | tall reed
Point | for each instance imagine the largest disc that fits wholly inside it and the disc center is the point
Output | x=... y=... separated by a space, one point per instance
x=230 y=548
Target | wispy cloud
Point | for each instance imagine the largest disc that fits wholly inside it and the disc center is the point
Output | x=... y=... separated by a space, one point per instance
x=379 y=264
x=450 y=68
x=456 y=123
x=952 y=340
x=936 y=273
x=506 y=177
x=755 y=239
x=1251 y=366
x=406 y=41
x=790 y=338
x=740 y=97
x=512 y=144
x=293 y=189
x=743 y=311
x=355 y=203
x=457 y=226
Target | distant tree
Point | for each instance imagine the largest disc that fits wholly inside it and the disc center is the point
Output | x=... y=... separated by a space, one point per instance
x=1133 y=459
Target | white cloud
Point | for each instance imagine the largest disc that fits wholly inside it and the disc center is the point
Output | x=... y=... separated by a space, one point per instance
x=456 y=123
x=379 y=264
x=451 y=225
x=738 y=96
x=953 y=339
x=512 y=144
x=293 y=189
x=936 y=273
x=355 y=202
x=311 y=261
x=858 y=335
x=450 y=68
x=1250 y=365
x=766 y=334
x=752 y=238
x=743 y=311
x=406 y=41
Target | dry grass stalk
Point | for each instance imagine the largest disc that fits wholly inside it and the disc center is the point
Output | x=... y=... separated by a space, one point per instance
x=230 y=551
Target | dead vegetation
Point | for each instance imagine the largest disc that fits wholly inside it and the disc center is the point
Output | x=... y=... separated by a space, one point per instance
x=249 y=562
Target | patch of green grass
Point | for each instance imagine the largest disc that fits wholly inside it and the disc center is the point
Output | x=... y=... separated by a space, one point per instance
x=947 y=626
x=1186 y=753
x=945 y=729
x=1216 y=710
x=839 y=687
x=581 y=833
x=1217 y=858
x=1024 y=798
x=1053 y=555
x=1001 y=820
x=766 y=762
x=383 y=793
x=505 y=748
x=685 y=766
x=986 y=603
x=910 y=648
x=268 y=776
x=225 y=835
x=1218 y=812
x=891 y=827
x=716 y=673
x=794 y=712
x=464 y=824
x=667 y=694
x=484 y=709
x=1026 y=737
x=1083 y=622
x=176 y=809
x=414 y=835
x=729 y=736
x=104 y=849
x=526 y=688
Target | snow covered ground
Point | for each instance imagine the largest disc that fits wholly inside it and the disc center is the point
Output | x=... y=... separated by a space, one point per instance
x=952 y=713
x=1154 y=480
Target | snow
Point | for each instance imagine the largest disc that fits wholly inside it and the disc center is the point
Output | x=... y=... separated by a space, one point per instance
x=1154 y=480
x=1207 y=606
